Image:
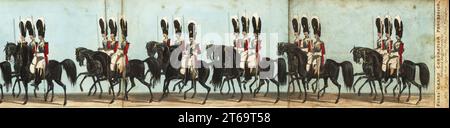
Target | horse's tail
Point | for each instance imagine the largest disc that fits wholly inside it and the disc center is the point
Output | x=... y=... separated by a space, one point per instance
x=71 y=70
x=347 y=73
x=203 y=72
x=154 y=67
x=6 y=73
x=282 y=72
x=216 y=79
x=424 y=74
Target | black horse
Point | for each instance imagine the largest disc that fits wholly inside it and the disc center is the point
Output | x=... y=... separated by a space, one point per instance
x=372 y=62
x=225 y=63
x=10 y=50
x=171 y=54
x=161 y=61
x=5 y=68
x=329 y=70
x=97 y=67
x=267 y=74
x=407 y=73
x=53 y=70
x=297 y=65
x=135 y=70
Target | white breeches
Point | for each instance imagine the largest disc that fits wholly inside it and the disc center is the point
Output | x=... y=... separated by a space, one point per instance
x=385 y=58
x=118 y=59
x=309 y=60
x=393 y=62
x=250 y=58
x=38 y=62
x=188 y=62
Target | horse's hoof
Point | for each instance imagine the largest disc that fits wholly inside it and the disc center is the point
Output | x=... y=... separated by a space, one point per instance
x=337 y=101
x=407 y=100
x=203 y=103
x=381 y=102
x=112 y=101
x=276 y=101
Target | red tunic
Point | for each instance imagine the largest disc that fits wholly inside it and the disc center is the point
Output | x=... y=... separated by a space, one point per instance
x=309 y=46
x=400 y=53
x=125 y=52
x=322 y=49
x=46 y=52
x=389 y=46
x=246 y=45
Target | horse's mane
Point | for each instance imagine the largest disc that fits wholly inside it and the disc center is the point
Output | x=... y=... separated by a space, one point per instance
x=370 y=52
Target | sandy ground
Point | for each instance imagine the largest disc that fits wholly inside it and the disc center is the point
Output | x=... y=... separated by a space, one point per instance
x=216 y=100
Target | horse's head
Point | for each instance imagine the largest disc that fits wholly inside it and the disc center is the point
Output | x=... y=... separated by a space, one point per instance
x=281 y=48
x=151 y=48
x=80 y=55
x=358 y=54
x=10 y=50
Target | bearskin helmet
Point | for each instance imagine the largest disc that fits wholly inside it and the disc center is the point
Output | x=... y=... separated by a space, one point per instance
x=192 y=29
x=102 y=24
x=165 y=26
x=40 y=26
x=124 y=27
x=235 y=22
x=256 y=21
x=305 y=24
x=388 y=25
x=29 y=27
x=245 y=24
x=398 y=24
x=112 y=27
x=379 y=25
x=177 y=26
x=23 y=31
x=316 y=26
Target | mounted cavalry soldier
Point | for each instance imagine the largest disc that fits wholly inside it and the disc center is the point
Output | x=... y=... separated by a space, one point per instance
x=256 y=43
x=120 y=58
x=381 y=45
x=189 y=58
x=388 y=42
x=306 y=44
x=396 y=56
x=40 y=49
x=318 y=49
x=245 y=41
x=165 y=31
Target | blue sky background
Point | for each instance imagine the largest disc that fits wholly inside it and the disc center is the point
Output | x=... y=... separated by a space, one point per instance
x=345 y=23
